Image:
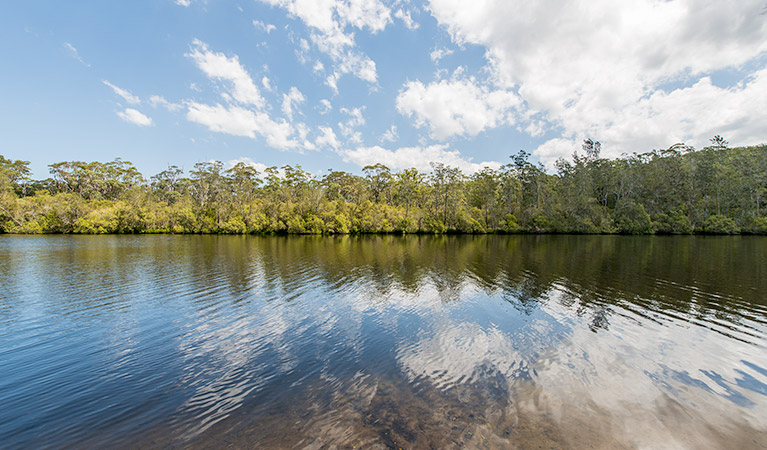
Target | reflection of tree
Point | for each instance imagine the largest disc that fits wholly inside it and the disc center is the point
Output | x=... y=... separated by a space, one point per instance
x=697 y=277
x=591 y=274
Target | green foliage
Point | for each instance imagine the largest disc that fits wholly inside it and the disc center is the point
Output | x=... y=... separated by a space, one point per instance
x=673 y=191
x=717 y=224
x=511 y=225
x=757 y=226
x=633 y=219
x=672 y=223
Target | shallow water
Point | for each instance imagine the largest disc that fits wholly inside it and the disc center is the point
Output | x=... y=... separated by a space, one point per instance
x=376 y=342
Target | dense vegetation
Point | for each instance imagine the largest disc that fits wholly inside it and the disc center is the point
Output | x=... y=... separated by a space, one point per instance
x=717 y=190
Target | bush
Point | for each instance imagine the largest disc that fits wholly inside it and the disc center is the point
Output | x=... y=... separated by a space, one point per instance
x=99 y=221
x=313 y=224
x=633 y=219
x=674 y=223
x=434 y=225
x=539 y=223
x=757 y=225
x=718 y=224
x=511 y=225
x=406 y=225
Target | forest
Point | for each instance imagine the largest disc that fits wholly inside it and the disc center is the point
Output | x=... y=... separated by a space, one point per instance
x=679 y=190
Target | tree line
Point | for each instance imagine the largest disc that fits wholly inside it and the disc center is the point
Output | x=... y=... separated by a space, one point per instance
x=715 y=190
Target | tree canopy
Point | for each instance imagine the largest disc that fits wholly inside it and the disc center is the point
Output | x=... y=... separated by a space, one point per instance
x=678 y=190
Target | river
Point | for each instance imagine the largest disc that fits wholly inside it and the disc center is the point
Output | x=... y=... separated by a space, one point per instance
x=383 y=342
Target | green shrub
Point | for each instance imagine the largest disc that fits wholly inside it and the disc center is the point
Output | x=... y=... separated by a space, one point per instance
x=674 y=223
x=633 y=219
x=434 y=225
x=511 y=225
x=757 y=225
x=717 y=224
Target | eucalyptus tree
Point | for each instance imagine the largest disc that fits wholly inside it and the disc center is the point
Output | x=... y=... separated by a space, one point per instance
x=169 y=185
x=95 y=180
x=447 y=183
x=484 y=194
x=408 y=189
x=379 y=179
x=207 y=183
x=243 y=185
x=344 y=186
x=15 y=174
x=14 y=180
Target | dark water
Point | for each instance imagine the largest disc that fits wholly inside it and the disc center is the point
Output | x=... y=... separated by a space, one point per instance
x=375 y=342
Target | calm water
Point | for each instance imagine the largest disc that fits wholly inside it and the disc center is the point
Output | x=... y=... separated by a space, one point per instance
x=411 y=342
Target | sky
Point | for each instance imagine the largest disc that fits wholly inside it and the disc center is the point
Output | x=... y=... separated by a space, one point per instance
x=341 y=84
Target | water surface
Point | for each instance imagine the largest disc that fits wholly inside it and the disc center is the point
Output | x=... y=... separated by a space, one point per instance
x=383 y=342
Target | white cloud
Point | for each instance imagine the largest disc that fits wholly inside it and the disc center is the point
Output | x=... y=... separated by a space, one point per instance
x=349 y=128
x=266 y=83
x=302 y=130
x=246 y=113
x=75 y=53
x=135 y=117
x=183 y=3
x=404 y=16
x=220 y=67
x=239 y=121
x=691 y=115
x=390 y=135
x=329 y=20
x=260 y=167
x=418 y=157
x=159 y=100
x=457 y=107
x=268 y=27
x=328 y=106
x=581 y=65
x=327 y=138
x=127 y=96
x=289 y=100
x=438 y=53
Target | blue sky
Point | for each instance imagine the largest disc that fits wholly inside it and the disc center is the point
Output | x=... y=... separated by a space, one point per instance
x=344 y=83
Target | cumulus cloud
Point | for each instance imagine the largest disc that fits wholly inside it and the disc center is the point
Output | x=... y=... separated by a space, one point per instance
x=267 y=27
x=418 y=157
x=266 y=83
x=245 y=112
x=260 y=167
x=293 y=98
x=239 y=121
x=624 y=73
x=691 y=115
x=438 y=53
x=135 y=117
x=218 y=66
x=329 y=21
x=326 y=105
x=390 y=135
x=405 y=17
x=127 y=96
x=183 y=3
x=349 y=128
x=456 y=107
x=328 y=138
